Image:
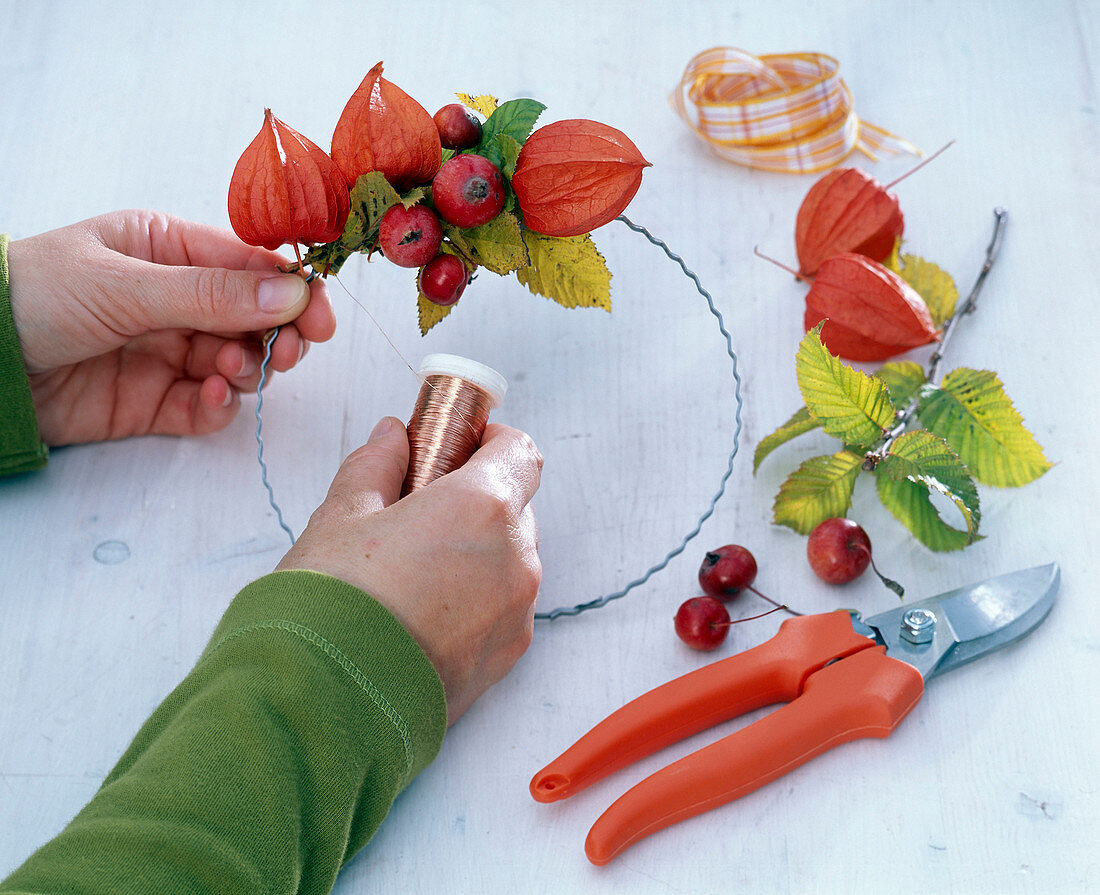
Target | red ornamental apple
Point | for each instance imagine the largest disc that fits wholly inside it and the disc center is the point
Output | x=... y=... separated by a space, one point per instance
x=727 y=571
x=468 y=190
x=839 y=550
x=443 y=280
x=410 y=237
x=702 y=623
x=847 y=210
x=458 y=127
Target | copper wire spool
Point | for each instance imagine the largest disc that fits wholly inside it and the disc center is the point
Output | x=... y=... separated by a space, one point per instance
x=448 y=420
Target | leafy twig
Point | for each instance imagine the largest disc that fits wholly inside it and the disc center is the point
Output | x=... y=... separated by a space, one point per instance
x=874 y=456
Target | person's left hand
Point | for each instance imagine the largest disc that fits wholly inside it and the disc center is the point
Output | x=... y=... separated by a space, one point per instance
x=137 y=323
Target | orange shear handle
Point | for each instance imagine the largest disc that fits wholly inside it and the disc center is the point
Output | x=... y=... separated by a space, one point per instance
x=774 y=671
x=865 y=695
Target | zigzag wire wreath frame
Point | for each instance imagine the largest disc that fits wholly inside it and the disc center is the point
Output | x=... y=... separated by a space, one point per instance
x=684 y=541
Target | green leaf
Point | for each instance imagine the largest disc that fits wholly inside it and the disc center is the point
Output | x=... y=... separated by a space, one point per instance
x=413 y=196
x=328 y=258
x=497 y=246
x=429 y=313
x=820 y=488
x=515 y=118
x=974 y=415
x=371 y=197
x=484 y=103
x=568 y=270
x=798 y=424
x=903 y=378
x=917 y=464
x=509 y=154
x=848 y=404
x=930 y=281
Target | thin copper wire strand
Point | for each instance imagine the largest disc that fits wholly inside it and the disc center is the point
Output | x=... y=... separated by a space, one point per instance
x=445 y=429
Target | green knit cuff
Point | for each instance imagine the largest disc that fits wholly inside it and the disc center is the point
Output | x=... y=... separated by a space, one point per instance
x=21 y=450
x=360 y=636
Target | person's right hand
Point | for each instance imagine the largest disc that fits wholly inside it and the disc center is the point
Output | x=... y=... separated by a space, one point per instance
x=456 y=562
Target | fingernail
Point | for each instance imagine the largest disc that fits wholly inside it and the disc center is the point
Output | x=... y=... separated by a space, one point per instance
x=228 y=397
x=277 y=294
x=248 y=365
x=384 y=425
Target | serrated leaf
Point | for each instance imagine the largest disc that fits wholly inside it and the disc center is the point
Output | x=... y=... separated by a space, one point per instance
x=371 y=197
x=483 y=104
x=800 y=423
x=413 y=196
x=328 y=258
x=916 y=464
x=568 y=270
x=428 y=313
x=971 y=411
x=497 y=246
x=515 y=118
x=931 y=282
x=903 y=379
x=850 y=405
x=820 y=488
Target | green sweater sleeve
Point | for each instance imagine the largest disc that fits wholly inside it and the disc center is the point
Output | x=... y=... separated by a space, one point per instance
x=21 y=450
x=273 y=761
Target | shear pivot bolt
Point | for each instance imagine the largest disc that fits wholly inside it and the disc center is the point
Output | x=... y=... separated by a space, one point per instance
x=918 y=625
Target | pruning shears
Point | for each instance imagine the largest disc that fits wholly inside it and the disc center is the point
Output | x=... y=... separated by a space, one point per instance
x=842 y=677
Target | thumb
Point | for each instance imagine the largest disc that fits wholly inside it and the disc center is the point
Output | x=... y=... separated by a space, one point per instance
x=370 y=478
x=217 y=299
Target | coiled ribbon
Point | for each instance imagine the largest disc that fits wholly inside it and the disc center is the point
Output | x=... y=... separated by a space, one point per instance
x=787 y=112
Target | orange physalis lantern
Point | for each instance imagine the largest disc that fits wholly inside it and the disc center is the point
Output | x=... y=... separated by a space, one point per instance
x=576 y=175
x=285 y=189
x=384 y=129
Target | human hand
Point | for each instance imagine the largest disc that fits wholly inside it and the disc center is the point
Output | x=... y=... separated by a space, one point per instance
x=456 y=561
x=136 y=322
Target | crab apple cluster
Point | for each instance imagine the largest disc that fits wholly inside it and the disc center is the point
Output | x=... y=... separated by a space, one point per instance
x=838 y=550
x=703 y=622
x=467 y=191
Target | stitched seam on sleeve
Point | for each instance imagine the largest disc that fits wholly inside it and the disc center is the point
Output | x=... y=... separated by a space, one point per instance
x=350 y=668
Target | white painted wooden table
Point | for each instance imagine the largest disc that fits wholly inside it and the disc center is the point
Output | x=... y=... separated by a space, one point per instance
x=118 y=559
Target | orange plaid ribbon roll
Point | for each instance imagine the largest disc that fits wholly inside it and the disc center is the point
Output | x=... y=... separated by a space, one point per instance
x=786 y=112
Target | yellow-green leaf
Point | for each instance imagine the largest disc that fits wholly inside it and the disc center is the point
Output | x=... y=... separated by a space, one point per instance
x=932 y=283
x=917 y=464
x=429 y=313
x=483 y=104
x=497 y=246
x=904 y=378
x=971 y=411
x=848 y=404
x=567 y=269
x=371 y=197
x=820 y=488
x=413 y=196
x=798 y=424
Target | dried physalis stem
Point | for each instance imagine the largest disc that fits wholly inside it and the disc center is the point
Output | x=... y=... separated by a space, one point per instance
x=285 y=189
x=576 y=175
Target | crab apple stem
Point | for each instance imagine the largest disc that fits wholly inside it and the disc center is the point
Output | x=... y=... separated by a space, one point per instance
x=794 y=273
x=750 y=618
x=889 y=582
x=768 y=599
x=915 y=169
